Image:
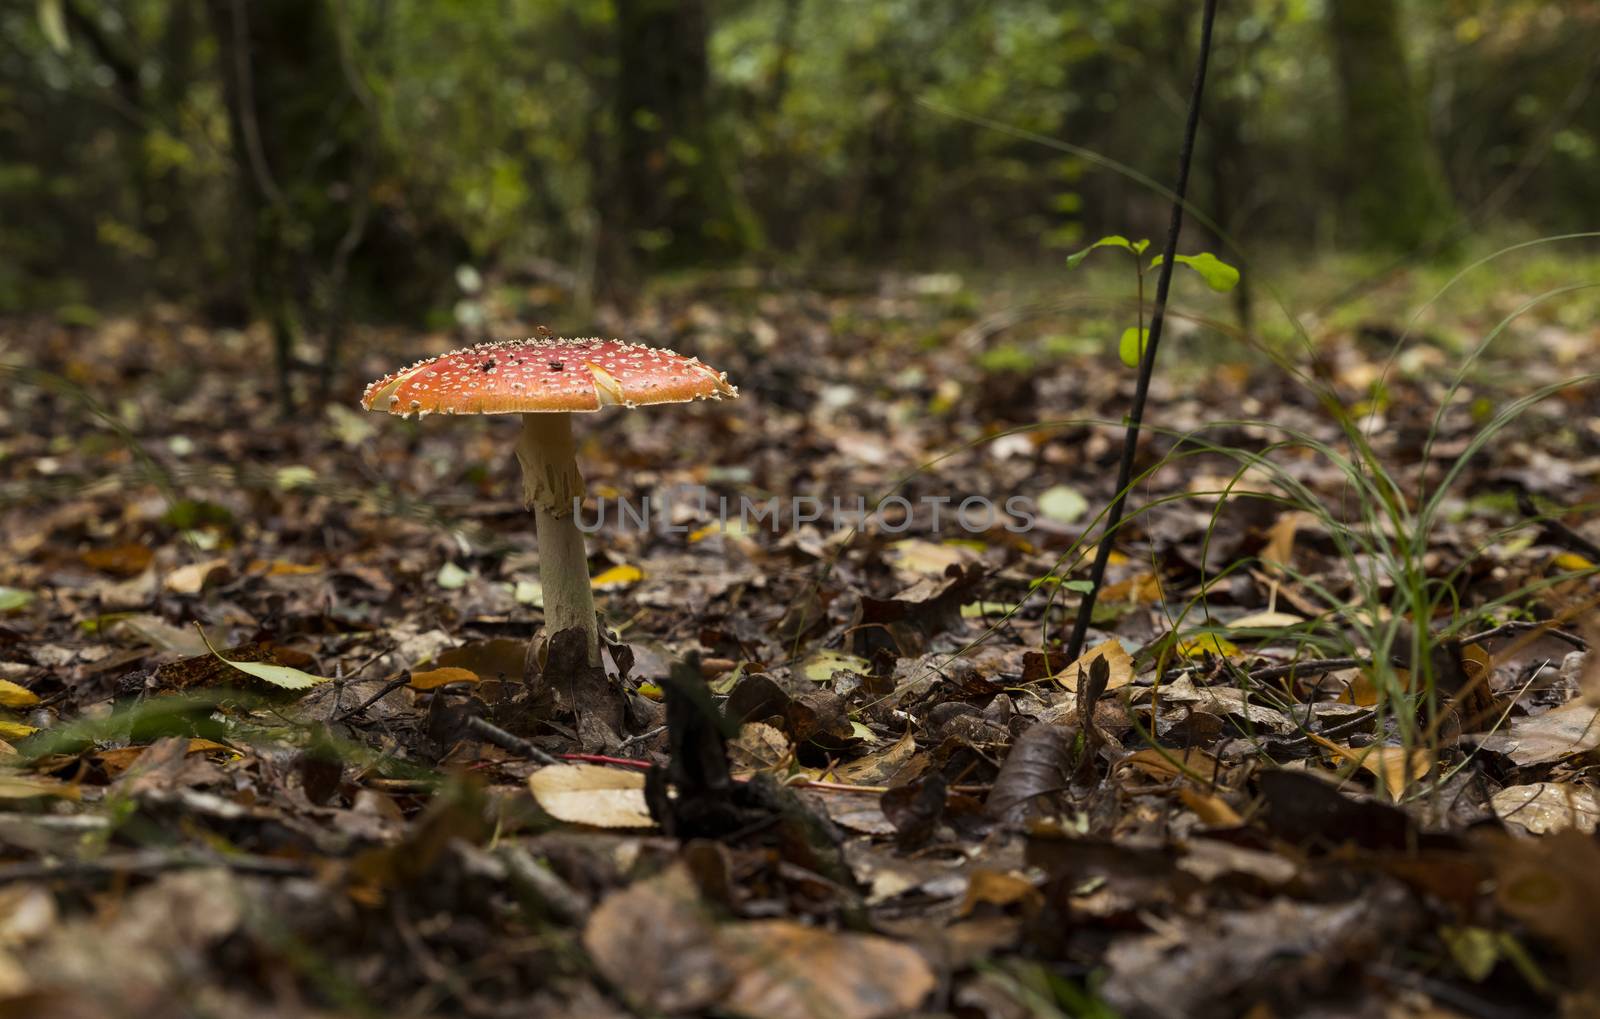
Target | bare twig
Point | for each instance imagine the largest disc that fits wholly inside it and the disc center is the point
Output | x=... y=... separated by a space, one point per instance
x=148 y=861
x=648 y=734
x=1527 y=626
x=387 y=689
x=492 y=733
x=1310 y=667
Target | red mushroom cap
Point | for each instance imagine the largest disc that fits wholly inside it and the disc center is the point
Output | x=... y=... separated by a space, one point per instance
x=545 y=375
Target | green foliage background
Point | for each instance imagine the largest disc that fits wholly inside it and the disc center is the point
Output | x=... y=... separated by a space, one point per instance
x=488 y=133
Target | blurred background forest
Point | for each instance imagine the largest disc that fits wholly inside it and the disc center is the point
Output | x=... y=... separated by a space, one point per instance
x=308 y=163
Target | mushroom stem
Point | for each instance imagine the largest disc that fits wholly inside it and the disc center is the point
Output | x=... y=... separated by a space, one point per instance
x=550 y=483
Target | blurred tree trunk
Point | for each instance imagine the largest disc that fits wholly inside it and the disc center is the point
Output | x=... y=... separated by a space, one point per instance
x=293 y=131
x=1393 y=180
x=787 y=25
x=1228 y=167
x=308 y=152
x=886 y=191
x=677 y=204
x=132 y=102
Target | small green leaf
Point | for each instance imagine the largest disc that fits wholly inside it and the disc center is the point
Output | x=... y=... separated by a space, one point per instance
x=1062 y=504
x=11 y=599
x=1219 y=275
x=1109 y=241
x=295 y=476
x=1131 y=347
x=1079 y=586
x=981 y=609
x=277 y=675
x=451 y=577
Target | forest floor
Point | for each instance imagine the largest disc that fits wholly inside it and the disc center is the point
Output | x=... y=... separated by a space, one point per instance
x=1242 y=802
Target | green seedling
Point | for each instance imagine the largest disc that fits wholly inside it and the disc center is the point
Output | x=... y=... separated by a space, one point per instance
x=1218 y=275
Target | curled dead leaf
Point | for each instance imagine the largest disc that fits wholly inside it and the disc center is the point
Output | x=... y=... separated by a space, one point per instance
x=1114 y=655
x=1395 y=767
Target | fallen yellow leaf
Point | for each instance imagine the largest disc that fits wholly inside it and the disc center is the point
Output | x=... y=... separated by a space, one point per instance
x=1572 y=562
x=617 y=577
x=13 y=695
x=1202 y=642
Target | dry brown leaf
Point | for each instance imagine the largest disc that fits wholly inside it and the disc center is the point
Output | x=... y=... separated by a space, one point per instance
x=878 y=768
x=592 y=794
x=122 y=560
x=1279 y=550
x=1477 y=663
x=432 y=679
x=999 y=888
x=1116 y=657
x=1546 y=807
x=791 y=971
x=22 y=787
x=660 y=946
x=1144 y=589
x=656 y=942
x=116 y=760
x=1395 y=767
x=1210 y=859
x=158 y=633
x=759 y=747
x=853 y=811
x=282 y=568
x=191 y=579
x=1212 y=809
x=1169 y=764
x=1561 y=732
x=1035 y=775
x=1552 y=885
x=1362 y=691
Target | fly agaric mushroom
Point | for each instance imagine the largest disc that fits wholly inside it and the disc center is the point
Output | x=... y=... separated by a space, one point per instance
x=546 y=380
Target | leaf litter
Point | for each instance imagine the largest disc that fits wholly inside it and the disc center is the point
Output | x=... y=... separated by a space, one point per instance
x=880 y=789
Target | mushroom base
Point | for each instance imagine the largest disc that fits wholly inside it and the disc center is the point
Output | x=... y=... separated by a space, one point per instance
x=550 y=483
x=564 y=573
